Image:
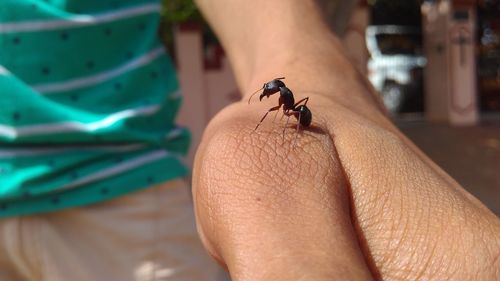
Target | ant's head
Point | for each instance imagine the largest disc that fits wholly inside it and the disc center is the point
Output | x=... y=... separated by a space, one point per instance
x=264 y=94
x=269 y=88
x=272 y=87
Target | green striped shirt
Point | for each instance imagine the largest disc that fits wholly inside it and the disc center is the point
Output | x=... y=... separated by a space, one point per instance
x=88 y=100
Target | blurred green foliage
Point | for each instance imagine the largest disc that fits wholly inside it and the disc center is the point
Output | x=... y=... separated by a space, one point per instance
x=175 y=12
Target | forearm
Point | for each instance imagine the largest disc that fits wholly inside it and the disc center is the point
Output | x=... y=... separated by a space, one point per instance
x=256 y=33
x=266 y=39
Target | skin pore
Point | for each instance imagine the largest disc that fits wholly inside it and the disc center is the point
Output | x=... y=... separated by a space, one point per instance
x=353 y=199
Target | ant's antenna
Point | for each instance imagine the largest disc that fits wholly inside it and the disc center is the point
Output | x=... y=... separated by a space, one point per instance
x=254 y=94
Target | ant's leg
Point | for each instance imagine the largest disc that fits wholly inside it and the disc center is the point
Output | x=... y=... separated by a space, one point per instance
x=265 y=115
x=282 y=116
x=300 y=101
x=276 y=115
x=289 y=114
x=284 y=128
x=298 y=127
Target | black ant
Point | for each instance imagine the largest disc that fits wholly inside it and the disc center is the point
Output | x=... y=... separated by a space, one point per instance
x=287 y=100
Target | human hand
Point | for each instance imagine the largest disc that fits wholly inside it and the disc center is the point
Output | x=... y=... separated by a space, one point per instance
x=351 y=199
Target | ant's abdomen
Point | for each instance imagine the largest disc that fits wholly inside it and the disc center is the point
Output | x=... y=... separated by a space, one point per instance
x=305 y=116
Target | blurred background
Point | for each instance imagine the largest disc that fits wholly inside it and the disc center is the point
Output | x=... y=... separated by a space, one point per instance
x=436 y=65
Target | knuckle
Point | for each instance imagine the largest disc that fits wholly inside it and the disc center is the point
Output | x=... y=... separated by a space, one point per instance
x=245 y=179
x=245 y=164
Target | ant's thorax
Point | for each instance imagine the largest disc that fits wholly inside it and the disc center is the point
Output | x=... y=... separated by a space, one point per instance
x=287 y=98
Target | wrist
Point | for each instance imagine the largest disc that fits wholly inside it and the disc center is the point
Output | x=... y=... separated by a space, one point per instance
x=305 y=268
x=314 y=70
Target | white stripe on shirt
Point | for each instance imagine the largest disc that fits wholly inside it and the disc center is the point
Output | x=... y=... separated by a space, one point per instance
x=30 y=152
x=174 y=133
x=118 y=169
x=78 y=21
x=39 y=151
x=175 y=95
x=74 y=126
x=4 y=71
x=78 y=83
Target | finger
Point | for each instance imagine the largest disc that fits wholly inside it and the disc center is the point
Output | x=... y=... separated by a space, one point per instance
x=272 y=212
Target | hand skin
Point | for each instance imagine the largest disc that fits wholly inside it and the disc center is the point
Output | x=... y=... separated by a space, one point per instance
x=353 y=198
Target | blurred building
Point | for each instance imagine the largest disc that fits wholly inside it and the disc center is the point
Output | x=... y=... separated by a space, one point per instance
x=488 y=50
x=440 y=58
x=449 y=29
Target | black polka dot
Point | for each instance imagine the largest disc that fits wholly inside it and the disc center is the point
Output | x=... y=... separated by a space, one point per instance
x=118 y=86
x=104 y=191
x=55 y=200
x=75 y=97
x=3 y=206
x=153 y=74
x=64 y=36
x=16 y=116
x=150 y=179
x=45 y=70
x=16 y=40
x=90 y=64
x=108 y=31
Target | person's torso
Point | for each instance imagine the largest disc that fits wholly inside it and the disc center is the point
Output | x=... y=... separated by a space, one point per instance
x=88 y=99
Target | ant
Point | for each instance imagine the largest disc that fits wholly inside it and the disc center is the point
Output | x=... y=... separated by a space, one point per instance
x=286 y=100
